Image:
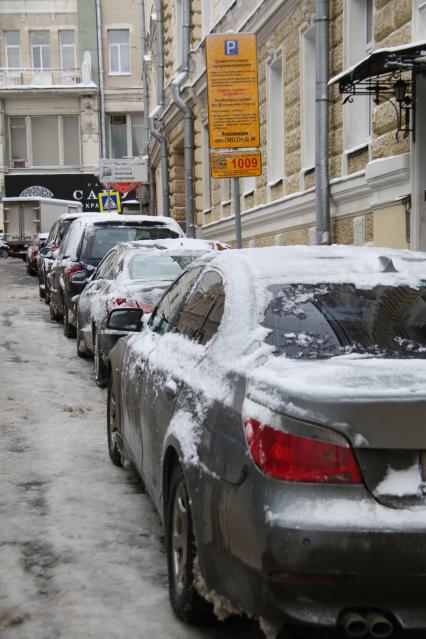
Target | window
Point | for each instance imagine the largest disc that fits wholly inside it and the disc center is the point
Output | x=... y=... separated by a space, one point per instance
x=18 y=140
x=419 y=20
x=206 y=16
x=275 y=121
x=126 y=135
x=169 y=304
x=107 y=269
x=225 y=190
x=249 y=185
x=194 y=311
x=67 y=44
x=119 y=51
x=46 y=140
x=359 y=41
x=40 y=49
x=308 y=94
x=13 y=49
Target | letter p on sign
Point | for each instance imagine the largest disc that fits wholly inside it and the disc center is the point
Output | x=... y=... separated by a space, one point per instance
x=231 y=47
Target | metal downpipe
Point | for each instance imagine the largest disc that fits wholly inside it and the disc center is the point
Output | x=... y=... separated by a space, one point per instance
x=322 y=194
x=188 y=121
x=145 y=103
x=164 y=171
x=101 y=77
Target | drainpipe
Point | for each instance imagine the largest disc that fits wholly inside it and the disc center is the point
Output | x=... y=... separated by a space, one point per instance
x=101 y=76
x=164 y=161
x=323 y=234
x=188 y=123
x=145 y=104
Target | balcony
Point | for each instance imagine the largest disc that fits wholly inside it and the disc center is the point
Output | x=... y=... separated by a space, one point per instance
x=42 y=79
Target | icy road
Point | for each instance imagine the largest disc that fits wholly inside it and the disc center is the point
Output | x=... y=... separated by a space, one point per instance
x=81 y=547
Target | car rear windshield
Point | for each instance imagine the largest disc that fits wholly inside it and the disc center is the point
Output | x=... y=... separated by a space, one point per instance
x=98 y=240
x=160 y=267
x=325 y=320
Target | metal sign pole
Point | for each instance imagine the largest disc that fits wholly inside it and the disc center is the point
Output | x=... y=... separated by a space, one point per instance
x=237 y=212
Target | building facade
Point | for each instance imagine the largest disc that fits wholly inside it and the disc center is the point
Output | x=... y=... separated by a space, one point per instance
x=70 y=93
x=375 y=171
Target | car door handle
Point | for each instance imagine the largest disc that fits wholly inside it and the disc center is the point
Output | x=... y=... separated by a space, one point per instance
x=170 y=389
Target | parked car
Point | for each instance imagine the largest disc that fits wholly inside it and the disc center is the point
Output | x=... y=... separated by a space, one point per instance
x=88 y=239
x=4 y=247
x=274 y=406
x=127 y=284
x=33 y=250
x=46 y=255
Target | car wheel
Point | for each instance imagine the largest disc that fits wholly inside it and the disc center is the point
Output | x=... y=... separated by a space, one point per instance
x=54 y=315
x=101 y=370
x=69 y=330
x=187 y=604
x=80 y=345
x=46 y=294
x=113 y=450
x=41 y=293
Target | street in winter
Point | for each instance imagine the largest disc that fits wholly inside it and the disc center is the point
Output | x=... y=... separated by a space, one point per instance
x=81 y=546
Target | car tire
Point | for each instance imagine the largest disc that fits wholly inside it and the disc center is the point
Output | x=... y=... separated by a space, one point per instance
x=80 y=345
x=101 y=370
x=54 y=315
x=181 y=550
x=41 y=293
x=113 y=449
x=69 y=330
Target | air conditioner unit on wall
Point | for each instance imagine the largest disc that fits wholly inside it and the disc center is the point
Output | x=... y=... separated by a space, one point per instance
x=19 y=164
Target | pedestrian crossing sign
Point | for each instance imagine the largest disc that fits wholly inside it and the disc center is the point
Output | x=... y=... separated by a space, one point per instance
x=109 y=202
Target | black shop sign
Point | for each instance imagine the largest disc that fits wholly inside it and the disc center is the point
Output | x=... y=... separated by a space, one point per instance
x=81 y=187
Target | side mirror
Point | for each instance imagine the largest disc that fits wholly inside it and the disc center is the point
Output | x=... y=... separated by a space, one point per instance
x=46 y=252
x=125 y=319
x=79 y=278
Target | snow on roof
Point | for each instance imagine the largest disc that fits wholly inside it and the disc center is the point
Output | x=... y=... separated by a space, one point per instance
x=117 y=217
x=36 y=198
x=361 y=266
x=186 y=243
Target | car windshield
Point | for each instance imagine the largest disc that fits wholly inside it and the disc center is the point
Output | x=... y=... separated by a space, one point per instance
x=160 y=267
x=325 y=320
x=98 y=240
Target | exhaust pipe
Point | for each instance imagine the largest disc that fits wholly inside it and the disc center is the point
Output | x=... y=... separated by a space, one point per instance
x=355 y=625
x=379 y=626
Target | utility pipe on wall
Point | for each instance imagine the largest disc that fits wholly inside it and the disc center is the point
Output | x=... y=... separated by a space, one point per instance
x=188 y=120
x=101 y=77
x=323 y=228
x=146 y=107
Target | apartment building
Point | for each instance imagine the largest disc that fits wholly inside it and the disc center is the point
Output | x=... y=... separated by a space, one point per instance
x=65 y=101
x=376 y=148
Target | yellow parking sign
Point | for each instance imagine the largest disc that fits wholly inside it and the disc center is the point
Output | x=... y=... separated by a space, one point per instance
x=110 y=202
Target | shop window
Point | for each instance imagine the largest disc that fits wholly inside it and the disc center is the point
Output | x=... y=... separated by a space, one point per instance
x=46 y=140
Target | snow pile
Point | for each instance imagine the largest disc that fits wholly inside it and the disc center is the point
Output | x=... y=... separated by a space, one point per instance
x=401 y=483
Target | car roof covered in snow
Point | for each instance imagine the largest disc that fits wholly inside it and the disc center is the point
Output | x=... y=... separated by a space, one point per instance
x=182 y=243
x=362 y=266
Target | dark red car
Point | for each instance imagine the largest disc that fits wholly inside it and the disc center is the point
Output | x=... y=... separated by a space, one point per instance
x=32 y=252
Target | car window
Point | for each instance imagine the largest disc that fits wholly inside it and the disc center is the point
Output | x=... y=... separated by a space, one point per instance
x=52 y=233
x=213 y=320
x=62 y=230
x=193 y=313
x=72 y=240
x=104 y=267
x=157 y=266
x=325 y=320
x=170 y=302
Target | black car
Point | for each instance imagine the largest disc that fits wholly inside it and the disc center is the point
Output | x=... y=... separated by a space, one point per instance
x=89 y=238
x=46 y=255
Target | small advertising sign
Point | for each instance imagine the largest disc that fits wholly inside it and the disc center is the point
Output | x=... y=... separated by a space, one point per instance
x=123 y=170
x=109 y=202
x=232 y=85
x=236 y=164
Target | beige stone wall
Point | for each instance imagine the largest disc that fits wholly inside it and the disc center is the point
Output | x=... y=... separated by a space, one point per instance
x=390 y=227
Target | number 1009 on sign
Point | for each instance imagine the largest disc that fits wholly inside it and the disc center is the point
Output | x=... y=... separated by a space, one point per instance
x=236 y=164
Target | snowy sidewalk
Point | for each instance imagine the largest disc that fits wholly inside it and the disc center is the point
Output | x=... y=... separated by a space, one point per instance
x=80 y=546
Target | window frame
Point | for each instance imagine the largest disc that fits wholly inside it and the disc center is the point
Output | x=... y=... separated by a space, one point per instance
x=12 y=46
x=67 y=46
x=274 y=176
x=308 y=35
x=128 y=127
x=119 y=46
x=41 y=48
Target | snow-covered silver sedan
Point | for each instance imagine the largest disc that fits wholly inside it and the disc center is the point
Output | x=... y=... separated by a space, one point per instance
x=275 y=408
x=126 y=285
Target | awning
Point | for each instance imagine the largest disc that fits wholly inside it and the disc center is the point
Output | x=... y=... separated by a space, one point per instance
x=387 y=75
x=406 y=57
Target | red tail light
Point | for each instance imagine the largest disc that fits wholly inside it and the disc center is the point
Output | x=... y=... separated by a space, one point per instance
x=127 y=302
x=73 y=269
x=293 y=458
